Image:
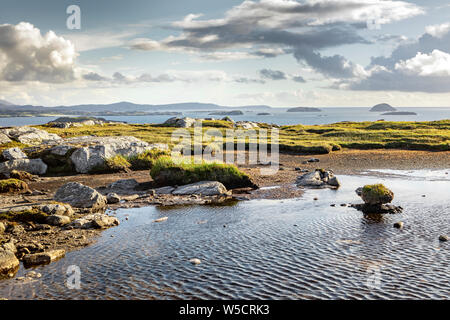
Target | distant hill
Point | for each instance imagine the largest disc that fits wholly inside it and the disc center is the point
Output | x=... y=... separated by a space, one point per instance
x=5 y=103
x=400 y=113
x=304 y=109
x=382 y=107
x=120 y=108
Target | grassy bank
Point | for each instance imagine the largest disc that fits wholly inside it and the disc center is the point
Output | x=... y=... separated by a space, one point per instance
x=314 y=139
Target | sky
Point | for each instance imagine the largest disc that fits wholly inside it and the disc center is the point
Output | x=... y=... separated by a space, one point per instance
x=280 y=53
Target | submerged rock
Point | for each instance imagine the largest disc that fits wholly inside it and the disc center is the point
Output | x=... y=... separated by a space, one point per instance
x=195 y=261
x=205 y=188
x=80 y=196
x=95 y=221
x=43 y=257
x=444 y=238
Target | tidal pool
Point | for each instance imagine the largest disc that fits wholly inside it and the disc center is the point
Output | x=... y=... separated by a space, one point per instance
x=267 y=249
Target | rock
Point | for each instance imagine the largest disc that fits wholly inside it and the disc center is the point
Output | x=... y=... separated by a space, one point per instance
x=9 y=264
x=359 y=191
x=97 y=149
x=246 y=125
x=43 y=257
x=318 y=179
x=22 y=175
x=376 y=194
x=195 y=261
x=161 y=219
x=62 y=209
x=206 y=188
x=443 y=238
x=15 y=229
x=378 y=209
x=4 y=138
x=80 y=196
x=125 y=184
x=180 y=122
x=33 y=166
x=112 y=198
x=228 y=119
x=9 y=246
x=13 y=154
x=56 y=220
x=313 y=160
x=95 y=221
x=2 y=227
x=399 y=225
x=61 y=150
x=164 y=190
x=30 y=135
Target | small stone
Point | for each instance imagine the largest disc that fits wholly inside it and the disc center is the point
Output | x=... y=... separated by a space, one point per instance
x=43 y=257
x=332 y=205
x=161 y=219
x=195 y=261
x=298 y=169
x=112 y=198
x=398 y=225
x=315 y=199
x=57 y=220
x=443 y=238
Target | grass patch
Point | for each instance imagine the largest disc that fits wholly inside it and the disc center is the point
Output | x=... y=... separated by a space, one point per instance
x=12 y=185
x=167 y=172
x=145 y=160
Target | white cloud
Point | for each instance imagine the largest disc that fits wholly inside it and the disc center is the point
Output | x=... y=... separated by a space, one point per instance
x=435 y=64
x=438 y=30
x=27 y=55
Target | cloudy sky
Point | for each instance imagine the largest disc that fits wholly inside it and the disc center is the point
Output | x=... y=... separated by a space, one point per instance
x=229 y=52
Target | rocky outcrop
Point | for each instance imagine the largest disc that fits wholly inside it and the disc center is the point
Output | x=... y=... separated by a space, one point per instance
x=13 y=154
x=205 y=188
x=33 y=166
x=95 y=221
x=80 y=196
x=30 y=135
x=246 y=125
x=66 y=122
x=318 y=179
x=96 y=149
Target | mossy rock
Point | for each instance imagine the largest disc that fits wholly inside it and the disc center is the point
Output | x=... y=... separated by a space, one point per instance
x=27 y=215
x=57 y=164
x=376 y=194
x=13 y=185
x=145 y=161
x=21 y=175
x=112 y=165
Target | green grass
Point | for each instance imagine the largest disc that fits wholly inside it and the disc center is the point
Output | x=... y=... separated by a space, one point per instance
x=145 y=161
x=12 y=185
x=305 y=139
x=165 y=172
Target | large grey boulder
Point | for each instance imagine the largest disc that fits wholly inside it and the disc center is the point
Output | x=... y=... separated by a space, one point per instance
x=30 y=135
x=33 y=166
x=180 y=122
x=80 y=196
x=14 y=154
x=62 y=209
x=205 y=188
x=8 y=263
x=96 y=149
x=4 y=138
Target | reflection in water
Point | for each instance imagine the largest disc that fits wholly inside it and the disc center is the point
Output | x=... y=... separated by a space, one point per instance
x=265 y=249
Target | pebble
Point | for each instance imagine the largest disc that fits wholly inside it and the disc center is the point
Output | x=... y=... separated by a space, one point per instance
x=343 y=204
x=315 y=199
x=161 y=219
x=398 y=225
x=443 y=238
x=332 y=205
x=195 y=261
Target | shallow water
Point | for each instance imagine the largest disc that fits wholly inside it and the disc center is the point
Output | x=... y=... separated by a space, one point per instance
x=278 y=116
x=267 y=249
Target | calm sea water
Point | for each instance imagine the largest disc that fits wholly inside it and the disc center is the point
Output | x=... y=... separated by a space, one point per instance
x=278 y=116
x=268 y=249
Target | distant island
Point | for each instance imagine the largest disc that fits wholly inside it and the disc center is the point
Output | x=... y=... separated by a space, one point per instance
x=263 y=114
x=227 y=113
x=304 y=109
x=400 y=113
x=382 y=107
